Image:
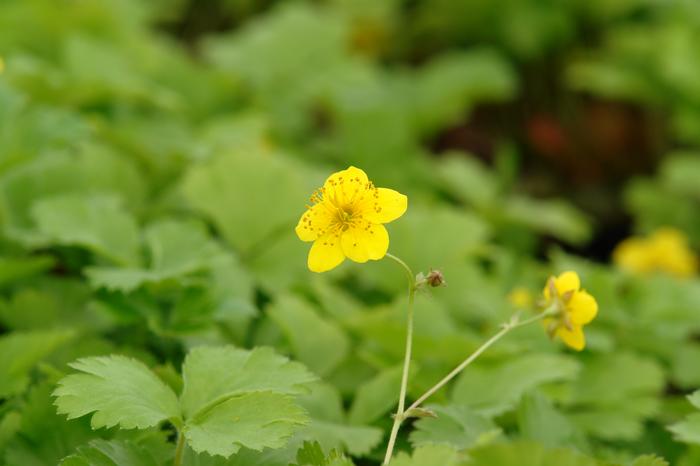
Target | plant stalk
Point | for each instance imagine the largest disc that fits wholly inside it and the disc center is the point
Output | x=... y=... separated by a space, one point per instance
x=406 y=362
x=179 y=449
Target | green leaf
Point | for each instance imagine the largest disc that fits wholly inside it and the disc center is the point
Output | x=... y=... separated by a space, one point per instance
x=457 y=426
x=19 y=353
x=177 y=248
x=526 y=454
x=429 y=455
x=213 y=374
x=695 y=399
x=13 y=269
x=249 y=195
x=540 y=421
x=329 y=426
x=615 y=393
x=43 y=436
x=94 y=170
x=119 y=390
x=494 y=390
x=649 y=460
x=467 y=178
x=311 y=454
x=110 y=453
x=255 y=420
x=688 y=430
x=551 y=217
x=98 y=223
x=376 y=397
x=317 y=342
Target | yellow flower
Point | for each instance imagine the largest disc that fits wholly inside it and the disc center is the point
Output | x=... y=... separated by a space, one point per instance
x=665 y=250
x=346 y=220
x=520 y=297
x=2 y=65
x=571 y=308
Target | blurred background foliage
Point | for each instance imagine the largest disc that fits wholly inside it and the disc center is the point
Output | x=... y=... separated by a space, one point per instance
x=155 y=156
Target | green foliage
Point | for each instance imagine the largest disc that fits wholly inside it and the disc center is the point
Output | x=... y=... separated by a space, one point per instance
x=119 y=390
x=20 y=352
x=229 y=398
x=156 y=156
x=688 y=430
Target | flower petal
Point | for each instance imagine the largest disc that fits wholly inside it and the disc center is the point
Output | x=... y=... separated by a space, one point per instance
x=325 y=254
x=383 y=205
x=342 y=187
x=583 y=308
x=365 y=241
x=567 y=281
x=313 y=223
x=573 y=338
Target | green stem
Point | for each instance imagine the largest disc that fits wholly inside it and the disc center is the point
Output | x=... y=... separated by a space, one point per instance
x=179 y=449
x=506 y=328
x=407 y=359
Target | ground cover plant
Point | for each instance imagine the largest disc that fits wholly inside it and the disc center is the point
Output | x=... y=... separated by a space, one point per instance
x=348 y=232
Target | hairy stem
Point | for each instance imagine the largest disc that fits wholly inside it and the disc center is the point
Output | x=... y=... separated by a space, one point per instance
x=407 y=359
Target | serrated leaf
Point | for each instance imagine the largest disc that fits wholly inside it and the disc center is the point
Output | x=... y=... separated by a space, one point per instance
x=212 y=374
x=98 y=223
x=311 y=454
x=319 y=343
x=20 y=351
x=493 y=390
x=177 y=248
x=255 y=420
x=119 y=391
x=688 y=430
x=110 y=453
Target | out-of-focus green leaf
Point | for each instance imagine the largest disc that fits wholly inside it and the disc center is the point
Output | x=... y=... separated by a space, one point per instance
x=494 y=390
x=97 y=223
x=317 y=342
x=21 y=351
x=110 y=453
x=457 y=426
x=428 y=455
x=177 y=248
x=526 y=454
x=249 y=195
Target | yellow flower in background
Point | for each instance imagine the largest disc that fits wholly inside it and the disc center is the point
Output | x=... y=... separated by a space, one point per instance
x=520 y=297
x=2 y=65
x=665 y=250
x=571 y=308
x=346 y=220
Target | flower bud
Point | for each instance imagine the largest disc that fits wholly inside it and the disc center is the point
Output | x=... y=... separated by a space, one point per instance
x=435 y=278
